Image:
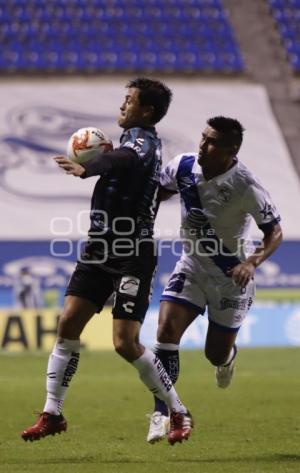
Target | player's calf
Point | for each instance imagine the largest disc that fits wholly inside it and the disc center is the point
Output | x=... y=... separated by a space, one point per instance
x=224 y=373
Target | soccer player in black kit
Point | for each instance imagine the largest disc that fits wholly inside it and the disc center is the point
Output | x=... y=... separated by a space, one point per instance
x=119 y=257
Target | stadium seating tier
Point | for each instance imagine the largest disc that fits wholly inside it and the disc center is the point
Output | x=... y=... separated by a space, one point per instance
x=117 y=35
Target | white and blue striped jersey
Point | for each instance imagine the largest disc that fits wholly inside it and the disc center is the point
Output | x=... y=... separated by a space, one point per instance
x=216 y=214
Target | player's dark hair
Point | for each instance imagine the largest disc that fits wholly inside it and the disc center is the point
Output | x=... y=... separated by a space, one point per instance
x=154 y=93
x=230 y=127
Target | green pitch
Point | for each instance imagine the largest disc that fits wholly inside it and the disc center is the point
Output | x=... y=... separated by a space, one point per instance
x=252 y=427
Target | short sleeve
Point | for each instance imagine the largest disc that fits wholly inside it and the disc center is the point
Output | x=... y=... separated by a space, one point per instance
x=258 y=203
x=168 y=176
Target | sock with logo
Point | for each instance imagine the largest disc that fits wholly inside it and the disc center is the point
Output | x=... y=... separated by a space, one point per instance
x=155 y=377
x=62 y=366
x=168 y=354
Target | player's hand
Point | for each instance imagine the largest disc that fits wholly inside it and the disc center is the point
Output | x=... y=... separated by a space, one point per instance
x=242 y=273
x=70 y=167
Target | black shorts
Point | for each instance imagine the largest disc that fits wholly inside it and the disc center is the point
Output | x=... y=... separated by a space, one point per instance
x=132 y=288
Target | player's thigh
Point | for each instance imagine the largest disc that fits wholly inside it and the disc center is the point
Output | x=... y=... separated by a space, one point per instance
x=228 y=306
x=86 y=294
x=174 y=319
x=182 y=300
x=133 y=292
x=219 y=342
x=92 y=284
x=132 y=297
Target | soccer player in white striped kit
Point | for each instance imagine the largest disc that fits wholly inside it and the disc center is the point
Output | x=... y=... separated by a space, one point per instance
x=219 y=197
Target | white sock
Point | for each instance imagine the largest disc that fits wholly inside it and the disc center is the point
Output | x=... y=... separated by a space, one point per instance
x=62 y=365
x=166 y=346
x=155 y=377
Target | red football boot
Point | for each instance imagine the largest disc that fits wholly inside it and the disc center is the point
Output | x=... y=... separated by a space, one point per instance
x=47 y=424
x=180 y=427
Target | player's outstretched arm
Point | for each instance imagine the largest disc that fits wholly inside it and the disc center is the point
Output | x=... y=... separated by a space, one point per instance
x=121 y=159
x=116 y=161
x=165 y=194
x=69 y=166
x=243 y=272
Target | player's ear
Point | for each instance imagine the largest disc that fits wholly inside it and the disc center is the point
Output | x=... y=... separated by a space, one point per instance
x=235 y=149
x=148 y=112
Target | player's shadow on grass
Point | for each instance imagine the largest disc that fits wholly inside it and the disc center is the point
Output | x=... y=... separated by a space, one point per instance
x=262 y=458
x=271 y=458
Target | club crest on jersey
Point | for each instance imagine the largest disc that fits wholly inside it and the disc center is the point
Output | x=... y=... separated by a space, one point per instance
x=224 y=195
x=129 y=285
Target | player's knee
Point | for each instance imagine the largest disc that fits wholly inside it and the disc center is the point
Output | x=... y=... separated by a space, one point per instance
x=216 y=358
x=166 y=333
x=127 y=350
x=67 y=327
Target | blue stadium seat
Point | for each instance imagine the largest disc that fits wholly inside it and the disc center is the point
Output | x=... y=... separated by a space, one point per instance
x=118 y=35
x=287 y=17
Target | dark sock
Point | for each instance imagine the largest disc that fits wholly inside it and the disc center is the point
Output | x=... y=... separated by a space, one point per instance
x=160 y=406
x=233 y=356
x=170 y=361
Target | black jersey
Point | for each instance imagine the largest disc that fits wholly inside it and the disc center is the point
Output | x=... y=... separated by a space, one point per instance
x=124 y=202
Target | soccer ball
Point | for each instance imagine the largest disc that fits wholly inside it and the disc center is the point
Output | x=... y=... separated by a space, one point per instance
x=87 y=143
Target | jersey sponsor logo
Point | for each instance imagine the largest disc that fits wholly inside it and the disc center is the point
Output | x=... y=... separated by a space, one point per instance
x=238 y=304
x=133 y=146
x=129 y=285
x=128 y=307
x=140 y=141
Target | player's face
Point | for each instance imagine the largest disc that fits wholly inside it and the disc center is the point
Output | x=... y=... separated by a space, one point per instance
x=213 y=149
x=132 y=113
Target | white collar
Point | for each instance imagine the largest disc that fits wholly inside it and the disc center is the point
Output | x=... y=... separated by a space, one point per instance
x=196 y=169
x=221 y=177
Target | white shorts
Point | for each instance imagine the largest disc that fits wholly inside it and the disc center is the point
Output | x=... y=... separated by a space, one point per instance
x=227 y=304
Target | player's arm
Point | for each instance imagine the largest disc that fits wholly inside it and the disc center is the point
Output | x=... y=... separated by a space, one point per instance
x=243 y=272
x=257 y=202
x=165 y=194
x=118 y=160
x=168 y=182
